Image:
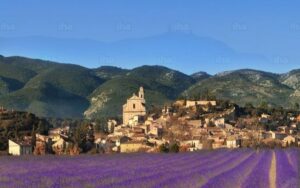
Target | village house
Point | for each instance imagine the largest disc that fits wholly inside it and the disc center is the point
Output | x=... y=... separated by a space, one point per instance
x=156 y=130
x=265 y=135
x=23 y=147
x=61 y=145
x=149 y=120
x=156 y=141
x=2 y=109
x=106 y=145
x=113 y=143
x=111 y=124
x=217 y=136
x=274 y=135
x=167 y=110
x=195 y=123
x=233 y=142
x=283 y=129
x=294 y=126
x=219 y=122
x=100 y=144
x=179 y=103
x=55 y=131
x=264 y=118
x=216 y=131
x=278 y=135
x=288 y=140
x=138 y=130
x=228 y=126
x=218 y=143
x=146 y=128
x=137 y=134
x=43 y=145
x=120 y=131
x=190 y=103
x=54 y=137
x=207 y=122
x=132 y=146
x=135 y=106
x=192 y=144
x=298 y=118
x=135 y=121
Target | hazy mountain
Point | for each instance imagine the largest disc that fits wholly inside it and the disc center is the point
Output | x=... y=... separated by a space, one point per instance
x=178 y=50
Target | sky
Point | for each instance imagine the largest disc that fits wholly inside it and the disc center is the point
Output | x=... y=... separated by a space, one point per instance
x=267 y=28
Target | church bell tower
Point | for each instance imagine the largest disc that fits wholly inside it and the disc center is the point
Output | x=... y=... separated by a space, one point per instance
x=141 y=93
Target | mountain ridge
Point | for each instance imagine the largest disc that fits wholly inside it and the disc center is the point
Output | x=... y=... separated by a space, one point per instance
x=67 y=90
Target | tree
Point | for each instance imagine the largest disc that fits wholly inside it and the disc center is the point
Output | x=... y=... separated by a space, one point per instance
x=263 y=105
x=33 y=136
x=42 y=127
x=296 y=106
x=224 y=104
x=163 y=148
x=80 y=133
x=174 y=148
x=249 y=105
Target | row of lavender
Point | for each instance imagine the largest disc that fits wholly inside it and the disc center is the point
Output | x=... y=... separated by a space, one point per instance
x=222 y=168
x=287 y=168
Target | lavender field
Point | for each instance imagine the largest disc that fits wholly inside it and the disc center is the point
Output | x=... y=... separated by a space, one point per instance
x=222 y=168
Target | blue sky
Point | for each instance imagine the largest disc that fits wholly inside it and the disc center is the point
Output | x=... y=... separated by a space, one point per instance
x=267 y=28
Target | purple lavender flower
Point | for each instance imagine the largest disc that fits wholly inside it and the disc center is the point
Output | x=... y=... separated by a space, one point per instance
x=221 y=168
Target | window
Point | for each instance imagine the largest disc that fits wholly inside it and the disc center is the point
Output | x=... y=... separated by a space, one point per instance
x=133 y=106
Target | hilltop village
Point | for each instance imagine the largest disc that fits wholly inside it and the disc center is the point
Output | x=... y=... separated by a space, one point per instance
x=183 y=126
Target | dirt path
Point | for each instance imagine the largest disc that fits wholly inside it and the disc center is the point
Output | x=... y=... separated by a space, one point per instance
x=272 y=174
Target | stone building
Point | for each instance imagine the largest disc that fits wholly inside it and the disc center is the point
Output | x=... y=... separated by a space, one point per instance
x=23 y=147
x=111 y=124
x=135 y=106
x=43 y=145
x=132 y=146
x=200 y=103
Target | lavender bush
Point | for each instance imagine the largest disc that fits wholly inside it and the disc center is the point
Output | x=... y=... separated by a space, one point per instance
x=287 y=175
x=259 y=176
x=221 y=168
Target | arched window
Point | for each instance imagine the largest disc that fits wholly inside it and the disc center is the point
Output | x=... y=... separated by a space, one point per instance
x=133 y=106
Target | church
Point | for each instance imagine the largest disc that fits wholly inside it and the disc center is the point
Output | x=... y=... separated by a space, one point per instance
x=135 y=106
